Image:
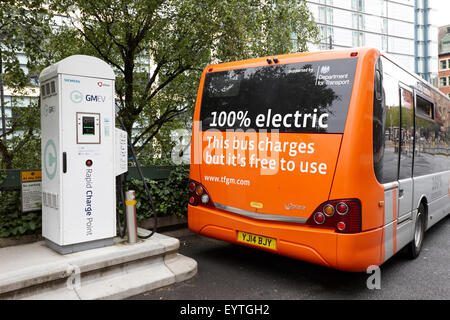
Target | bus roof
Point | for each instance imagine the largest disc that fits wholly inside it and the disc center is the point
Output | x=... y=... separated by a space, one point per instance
x=315 y=56
x=294 y=57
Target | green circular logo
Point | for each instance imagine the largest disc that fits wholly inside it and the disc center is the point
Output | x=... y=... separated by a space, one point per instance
x=50 y=162
x=76 y=96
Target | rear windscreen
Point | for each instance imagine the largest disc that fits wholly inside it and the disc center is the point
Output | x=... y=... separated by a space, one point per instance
x=297 y=97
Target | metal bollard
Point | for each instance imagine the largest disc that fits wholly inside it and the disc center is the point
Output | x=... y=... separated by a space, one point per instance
x=130 y=202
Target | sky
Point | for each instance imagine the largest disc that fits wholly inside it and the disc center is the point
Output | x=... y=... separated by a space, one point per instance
x=442 y=13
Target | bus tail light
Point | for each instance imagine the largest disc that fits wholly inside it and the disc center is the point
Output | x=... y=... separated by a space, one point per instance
x=319 y=218
x=342 y=208
x=347 y=219
x=198 y=195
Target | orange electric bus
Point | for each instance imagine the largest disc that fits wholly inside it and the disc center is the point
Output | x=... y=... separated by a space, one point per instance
x=339 y=158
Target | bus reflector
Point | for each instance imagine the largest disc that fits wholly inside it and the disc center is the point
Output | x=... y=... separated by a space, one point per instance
x=353 y=54
x=348 y=219
x=205 y=198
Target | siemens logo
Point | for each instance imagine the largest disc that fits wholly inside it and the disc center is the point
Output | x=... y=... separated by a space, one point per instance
x=94 y=98
x=71 y=80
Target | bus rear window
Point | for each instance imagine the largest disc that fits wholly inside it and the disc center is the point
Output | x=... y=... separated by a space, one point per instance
x=297 y=97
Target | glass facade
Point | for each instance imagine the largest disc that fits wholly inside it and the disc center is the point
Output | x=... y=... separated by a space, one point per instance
x=401 y=28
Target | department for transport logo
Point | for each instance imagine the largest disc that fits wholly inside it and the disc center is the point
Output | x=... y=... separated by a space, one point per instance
x=76 y=96
x=324 y=69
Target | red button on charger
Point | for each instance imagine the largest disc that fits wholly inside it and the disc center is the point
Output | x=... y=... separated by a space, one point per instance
x=89 y=163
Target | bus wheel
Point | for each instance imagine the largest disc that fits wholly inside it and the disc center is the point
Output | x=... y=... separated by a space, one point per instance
x=419 y=232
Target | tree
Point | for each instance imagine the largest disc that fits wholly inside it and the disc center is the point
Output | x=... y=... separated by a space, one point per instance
x=23 y=24
x=159 y=48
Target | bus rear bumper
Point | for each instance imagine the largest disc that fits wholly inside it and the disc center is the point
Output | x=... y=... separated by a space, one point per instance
x=347 y=252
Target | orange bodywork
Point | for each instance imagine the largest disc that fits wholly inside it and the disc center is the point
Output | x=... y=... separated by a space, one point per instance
x=348 y=165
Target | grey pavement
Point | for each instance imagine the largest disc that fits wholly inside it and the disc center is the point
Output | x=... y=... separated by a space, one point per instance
x=34 y=271
x=228 y=271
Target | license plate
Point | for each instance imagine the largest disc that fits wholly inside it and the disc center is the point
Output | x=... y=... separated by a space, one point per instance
x=257 y=240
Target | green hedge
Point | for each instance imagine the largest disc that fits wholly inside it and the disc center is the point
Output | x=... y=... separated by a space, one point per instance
x=14 y=223
x=170 y=197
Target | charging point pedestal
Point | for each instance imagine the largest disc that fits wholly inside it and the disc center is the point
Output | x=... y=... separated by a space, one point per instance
x=81 y=154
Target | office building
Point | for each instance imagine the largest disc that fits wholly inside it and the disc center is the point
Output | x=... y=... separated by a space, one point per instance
x=401 y=28
x=444 y=60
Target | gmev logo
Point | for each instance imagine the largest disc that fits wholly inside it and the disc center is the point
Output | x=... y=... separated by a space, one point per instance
x=77 y=97
x=94 y=98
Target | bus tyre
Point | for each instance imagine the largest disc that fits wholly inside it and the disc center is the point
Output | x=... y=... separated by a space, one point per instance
x=419 y=231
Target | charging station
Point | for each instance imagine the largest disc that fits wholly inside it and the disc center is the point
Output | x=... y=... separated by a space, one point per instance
x=82 y=153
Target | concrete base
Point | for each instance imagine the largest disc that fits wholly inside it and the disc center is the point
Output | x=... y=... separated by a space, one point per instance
x=34 y=271
x=71 y=248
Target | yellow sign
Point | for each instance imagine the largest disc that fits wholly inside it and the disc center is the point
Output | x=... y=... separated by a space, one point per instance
x=257 y=205
x=28 y=176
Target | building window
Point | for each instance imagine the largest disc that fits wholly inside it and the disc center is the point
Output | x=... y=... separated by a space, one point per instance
x=443 y=81
x=322 y=17
x=384 y=42
x=383 y=8
x=326 y=15
x=443 y=64
x=323 y=32
x=358 y=21
x=384 y=26
x=358 y=39
x=329 y=16
x=358 y=5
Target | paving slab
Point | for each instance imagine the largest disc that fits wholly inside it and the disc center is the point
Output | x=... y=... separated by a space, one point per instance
x=34 y=271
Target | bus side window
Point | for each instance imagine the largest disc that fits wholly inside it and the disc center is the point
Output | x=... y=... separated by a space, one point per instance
x=378 y=122
x=407 y=133
x=386 y=124
x=427 y=159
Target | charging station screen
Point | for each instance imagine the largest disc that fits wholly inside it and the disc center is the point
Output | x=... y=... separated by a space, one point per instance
x=88 y=125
